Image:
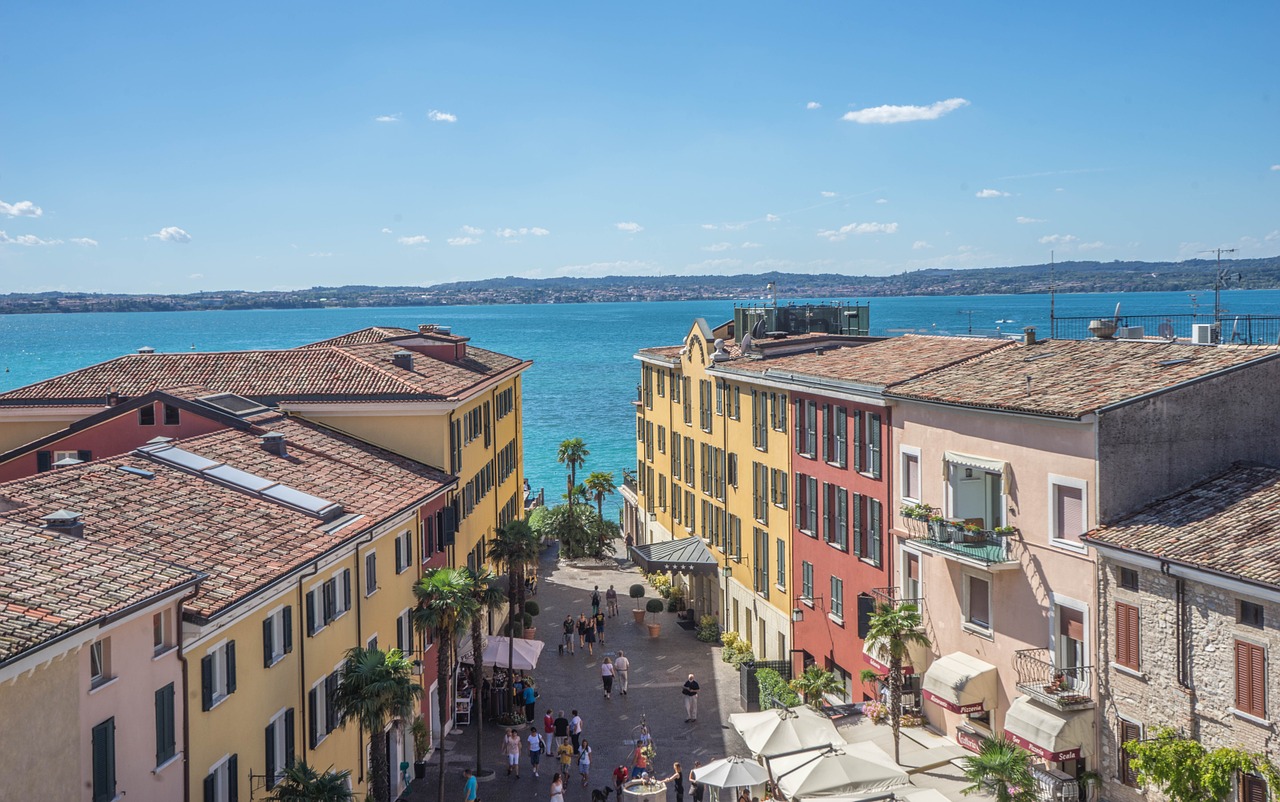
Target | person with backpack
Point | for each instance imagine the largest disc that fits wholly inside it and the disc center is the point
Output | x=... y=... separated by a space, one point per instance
x=567 y=644
x=595 y=602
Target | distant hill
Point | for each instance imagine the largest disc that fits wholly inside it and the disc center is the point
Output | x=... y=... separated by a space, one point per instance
x=1192 y=275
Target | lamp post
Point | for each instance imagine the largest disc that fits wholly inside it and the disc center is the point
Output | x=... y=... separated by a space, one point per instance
x=726 y=572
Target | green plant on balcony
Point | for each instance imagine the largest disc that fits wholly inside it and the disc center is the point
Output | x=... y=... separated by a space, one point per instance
x=1005 y=531
x=919 y=512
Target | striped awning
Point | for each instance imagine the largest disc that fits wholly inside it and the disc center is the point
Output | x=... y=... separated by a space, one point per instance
x=687 y=555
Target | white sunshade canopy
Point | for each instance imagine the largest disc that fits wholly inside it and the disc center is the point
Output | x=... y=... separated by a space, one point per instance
x=731 y=772
x=771 y=732
x=961 y=683
x=524 y=654
x=981 y=463
x=1054 y=735
x=851 y=769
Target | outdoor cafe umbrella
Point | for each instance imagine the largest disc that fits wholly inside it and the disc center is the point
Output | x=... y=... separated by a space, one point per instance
x=851 y=769
x=524 y=653
x=771 y=732
x=731 y=772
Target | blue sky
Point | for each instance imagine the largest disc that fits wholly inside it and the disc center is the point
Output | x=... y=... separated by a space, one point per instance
x=176 y=147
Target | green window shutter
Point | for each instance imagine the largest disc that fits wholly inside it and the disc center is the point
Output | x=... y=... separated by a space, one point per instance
x=84 y=456
x=231 y=667
x=271 y=754
x=206 y=682
x=104 y=761
x=288 y=738
x=268 y=646
x=313 y=703
x=211 y=788
x=288 y=629
x=233 y=779
x=44 y=461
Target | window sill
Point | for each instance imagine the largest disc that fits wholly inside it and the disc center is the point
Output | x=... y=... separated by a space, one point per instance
x=371 y=592
x=837 y=465
x=813 y=535
x=164 y=651
x=1252 y=719
x=838 y=547
x=807 y=602
x=214 y=704
x=836 y=619
x=873 y=563
x=781 y=588
x=980 y=631
x=1129 y=672
x=1068 y=545
x=177 y=758
x=106 y=683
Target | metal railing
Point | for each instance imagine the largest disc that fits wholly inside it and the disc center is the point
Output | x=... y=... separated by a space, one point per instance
x=1232 y=329
x=1064 y=687
x=894 y=598
x=949 y=538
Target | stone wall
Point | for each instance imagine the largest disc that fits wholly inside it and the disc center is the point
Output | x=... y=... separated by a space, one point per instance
x=1152 y=696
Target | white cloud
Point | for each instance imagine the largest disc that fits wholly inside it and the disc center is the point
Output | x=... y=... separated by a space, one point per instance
x=1059 y=239
x=812 y=105
x=827 y=194
x=196 y=276
x=387 y=118
x=1092 y=246
x=881 y=115
x=441 y=117
x=771 y=218
x=858 y=229
x=882 y=201
x=417 y=239
x=719 y=246
x=386 y=231
x=713 y=266
x=471 y=231
x=920 y=245
x=171 y=234
x=20 y=209
x=1275 y=168
x=537 y=231
x=461 y=241
x=321 y=254
x=622 y=268
x=630 y=228
x=85 y=241
x=749 y=245
x=26 y=239
x=990 y=193
x=1273 y=236
x=1028 y=220
x=709 y=226
x=508 y=233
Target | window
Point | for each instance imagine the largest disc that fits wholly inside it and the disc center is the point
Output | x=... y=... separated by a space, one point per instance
x=735 y=401
x=911 y=577
x=1127 y=640
x=104 y=761
x=721 y=390
x=1128 y=731
x=704 y=404
x=836 y=516
x=328 y=601
x=404 y=552
x=662 y=383
x=782 y=563
x=370 y=573
x=171 y=415
x=759 y=419
x=1251 y=614
x=217 y=674
x=100 y=663
x=735 y=536
x=910 y=475
x=1127 y=578
x=806 y=428
x=372 y=644
x=675 y=387
x=806 y=580
x=279 y=746
x=323 y=713
x=835 y=438
x=166 y=740
x=977 y=611
x=222 y=784
x=1251 y=679
x=404 y=632
x=662 y=439
x=868 y=528
x=161 y=629
x=1252 y=788
x=1068 y=521
x=778 y=489
x=147 y=415
x=759 y=492
x=837 y=597
x=688 y=401
x=760 y=561
x=778 y=412
x=277 y=635
x=731 y=472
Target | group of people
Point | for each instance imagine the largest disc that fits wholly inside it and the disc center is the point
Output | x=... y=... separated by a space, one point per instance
x=586 y=631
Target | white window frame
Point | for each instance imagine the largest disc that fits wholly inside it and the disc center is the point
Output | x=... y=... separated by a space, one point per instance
x=406 y=552
x=278 y=746
x=966 y=621
x=101 y=648
x=59 y=456
x=371 y=642
x=1056 y=601
x=903 y=453
x=903 y=553
x=276 y=617
x=219 y=655
x=1055 y=537
x=222 y=785
x=339 y=598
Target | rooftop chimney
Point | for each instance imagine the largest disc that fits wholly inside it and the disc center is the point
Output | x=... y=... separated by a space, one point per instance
x=403 y=359
x=274 y=443
x=113 y=398
x=146 y=349
x=1029 y=335
x=64 y=522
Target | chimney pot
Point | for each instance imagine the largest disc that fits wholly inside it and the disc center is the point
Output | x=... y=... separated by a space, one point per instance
x=64 y=522
x=1029 y=335
x=113 y=398
x=146 y=349
x=403 y=359
x=274 y=443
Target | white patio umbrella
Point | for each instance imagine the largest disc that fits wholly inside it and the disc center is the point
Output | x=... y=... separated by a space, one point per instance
x=772 y=732
x=731 y=772
x=523 y=656
x=851 y=769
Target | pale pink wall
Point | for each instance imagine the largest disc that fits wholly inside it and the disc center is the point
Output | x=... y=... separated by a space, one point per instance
x=131 y=700
x=1020 y=596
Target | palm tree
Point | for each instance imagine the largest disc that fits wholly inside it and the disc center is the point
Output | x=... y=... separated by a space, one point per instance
x=573 y=455
x=816 y=683
x=600 y=484
x=443 y=596
x=301 y=783
x=376 y=687
x=892 y=629
x=485 y=596
x=1000 y=767
x=513 y=548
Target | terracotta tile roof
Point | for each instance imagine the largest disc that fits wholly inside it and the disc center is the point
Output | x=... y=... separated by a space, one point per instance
x=241 y=540
x=358 y=371
x=1229 y=524
x=52 y=585
x=667 y=352
x=372 y=334
x=1071 y=378
x=882 y=363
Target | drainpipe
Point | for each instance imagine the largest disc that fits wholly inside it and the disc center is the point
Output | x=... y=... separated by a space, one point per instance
x=302 y=659
x=186 y=705
x=359 y=594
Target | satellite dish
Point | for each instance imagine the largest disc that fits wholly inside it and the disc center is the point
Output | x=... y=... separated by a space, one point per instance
x=1165 y=330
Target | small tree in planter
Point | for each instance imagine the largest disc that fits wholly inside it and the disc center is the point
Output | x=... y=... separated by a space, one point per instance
x=654 y=606
x=421 y=746
x=531 y=609
x=637 y=592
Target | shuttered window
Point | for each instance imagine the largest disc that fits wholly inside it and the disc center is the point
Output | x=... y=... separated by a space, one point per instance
x=104 y=761
x=1128 y=732
x=1251 y=674
x=165 y=735
x=1252 y=788
x=911 y=476
x=1127 y=640
x=1068 y=512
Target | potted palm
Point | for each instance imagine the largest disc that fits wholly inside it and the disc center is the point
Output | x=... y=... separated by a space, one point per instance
x=654 y=606
x=637 y=592
x=421 y=746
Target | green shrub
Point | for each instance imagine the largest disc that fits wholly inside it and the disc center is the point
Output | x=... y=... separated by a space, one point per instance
x=708 y=629
x=636 y=592
x=531 y=607
x=736 y=651
x=653 y=606
x=774 y=690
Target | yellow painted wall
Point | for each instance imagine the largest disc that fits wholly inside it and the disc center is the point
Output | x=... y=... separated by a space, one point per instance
x=18 y=433
x=424 y=438
x=40 y=733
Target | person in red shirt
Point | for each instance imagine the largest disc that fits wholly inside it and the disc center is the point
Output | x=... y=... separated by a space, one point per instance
x=620 y=775
x=549 y=724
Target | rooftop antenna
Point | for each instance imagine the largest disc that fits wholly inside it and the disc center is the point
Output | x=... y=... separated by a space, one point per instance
x=1052 y=326
x=968 y=312
x=1220 y=280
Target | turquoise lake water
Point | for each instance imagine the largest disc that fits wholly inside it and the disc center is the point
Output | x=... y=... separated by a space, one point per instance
x=583 y=378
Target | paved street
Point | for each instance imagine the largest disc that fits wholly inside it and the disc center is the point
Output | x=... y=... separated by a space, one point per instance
x=659 y=667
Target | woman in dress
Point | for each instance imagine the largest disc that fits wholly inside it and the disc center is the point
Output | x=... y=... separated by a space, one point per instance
x=511 y=748
x=582 y=629
x=557 y=788
x=584 y=762
x=606 y=676
x=590 y=636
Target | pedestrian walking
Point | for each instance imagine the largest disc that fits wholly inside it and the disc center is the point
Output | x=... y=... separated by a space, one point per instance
x=600 y=627
x=595 y=602
x=557 y=788
x=622 y=670
x=511 y=749
x=690 y=692
x=469 y=790
x=590 y=636
x=582 y=629
x=606 y=676
x=620 y=775
x=575 y=730
x=565 y=753
x=536 y=748
x=611 y=601
x=698 y=788
x=562 y=728
x=530 y=697
x=677 y=781
x=584 y=762
x=567 y=644
x=549 y=725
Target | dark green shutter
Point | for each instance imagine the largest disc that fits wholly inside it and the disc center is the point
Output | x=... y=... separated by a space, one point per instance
x=346 y=589
x=84 y=456
x=211 y=788
x=206 y=682
x=268 y=645
x=288 y=738
x=44 y=461
x=288 y=629
x=104 y=761
x=311 y=612
x=233 y=779
x=866 y=606
x=231 y=667
x=271 y=754
x=165 y=746
x=857 y=441
x=313 y=701
x=450 y=526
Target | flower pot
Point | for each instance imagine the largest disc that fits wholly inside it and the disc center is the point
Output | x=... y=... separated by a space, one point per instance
x=530 y=633
x=937 y=529
x=420 y=770
x=654 y=630
x=638 y=615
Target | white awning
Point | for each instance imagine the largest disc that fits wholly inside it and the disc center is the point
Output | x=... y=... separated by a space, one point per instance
x=1054 y=735
x=961 y=683
x=981 y=463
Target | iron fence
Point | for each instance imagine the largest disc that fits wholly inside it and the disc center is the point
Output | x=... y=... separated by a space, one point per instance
x=1234 y=329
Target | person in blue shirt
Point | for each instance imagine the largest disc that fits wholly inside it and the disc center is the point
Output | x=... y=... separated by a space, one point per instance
x=470 y=788
x=530 y=695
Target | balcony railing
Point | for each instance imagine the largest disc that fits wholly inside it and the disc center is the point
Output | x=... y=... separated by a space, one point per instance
x=630 y=484
x=1064 y=687
x=950 y=538
x=894 y=598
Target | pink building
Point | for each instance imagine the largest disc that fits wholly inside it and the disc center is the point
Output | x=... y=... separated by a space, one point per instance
x=1019 y=452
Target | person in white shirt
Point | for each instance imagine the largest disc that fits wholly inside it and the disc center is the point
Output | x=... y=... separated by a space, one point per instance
x=606 y=676
x=621 y=669
x=575 y=730
x=536 y=747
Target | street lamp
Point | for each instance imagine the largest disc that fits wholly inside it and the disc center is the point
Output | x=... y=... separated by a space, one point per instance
x=797 y=613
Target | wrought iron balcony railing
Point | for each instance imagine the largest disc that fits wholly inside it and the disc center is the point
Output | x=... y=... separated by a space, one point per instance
x=951 y=538
x=894 y=598
x=1063 y=687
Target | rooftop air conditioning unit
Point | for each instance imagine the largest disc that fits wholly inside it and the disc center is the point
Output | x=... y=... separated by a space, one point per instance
x=1202 y=334
x=1130 y=333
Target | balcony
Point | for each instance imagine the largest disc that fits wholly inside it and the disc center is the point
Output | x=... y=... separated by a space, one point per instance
x=950 y=538
x=894 y=598
x=1064 y=688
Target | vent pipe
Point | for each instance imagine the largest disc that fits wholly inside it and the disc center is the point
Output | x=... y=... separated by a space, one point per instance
x=403 y=359
x=146 y=349
x=113 y=398
x=274 y=443
x=64 y=522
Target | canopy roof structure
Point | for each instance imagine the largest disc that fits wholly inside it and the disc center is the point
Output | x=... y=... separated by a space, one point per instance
x=1054 y=735
x=961 y=683
x=523 y=654
x=687 y=555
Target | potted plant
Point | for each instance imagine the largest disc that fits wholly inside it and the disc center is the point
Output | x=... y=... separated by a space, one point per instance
x=654 y=606
x=675 y=601
x=421 y=746
x=1005 y=531
x=637 y=592
x=972 y=533
x=938 y=528
x=531 y=609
